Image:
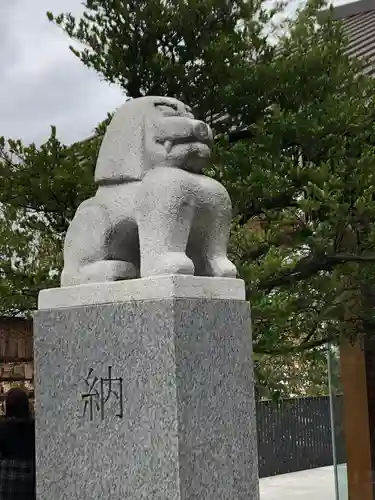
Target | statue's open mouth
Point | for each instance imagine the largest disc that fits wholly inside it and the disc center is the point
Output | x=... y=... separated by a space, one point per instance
x=193 y=133
x=196 y=144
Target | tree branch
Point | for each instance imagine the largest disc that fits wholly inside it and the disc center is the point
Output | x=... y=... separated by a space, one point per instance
x=239 y=135
x=256 y=207
x=255 y=253
x=310 y=266
x=304 y=346
x=284 y=238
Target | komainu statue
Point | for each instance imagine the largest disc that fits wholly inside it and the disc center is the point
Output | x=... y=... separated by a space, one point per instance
x=154 y=212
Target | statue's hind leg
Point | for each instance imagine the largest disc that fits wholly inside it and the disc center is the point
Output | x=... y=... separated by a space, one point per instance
x=88 y=249
x=208 y=240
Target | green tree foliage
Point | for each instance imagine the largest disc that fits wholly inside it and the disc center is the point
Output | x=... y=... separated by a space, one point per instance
x=41 y=187
x=188 y=49
x=295 y=134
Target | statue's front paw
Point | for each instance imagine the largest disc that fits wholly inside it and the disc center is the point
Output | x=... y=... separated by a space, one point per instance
x=221 y=267
x=168 y=263
x=99 y=272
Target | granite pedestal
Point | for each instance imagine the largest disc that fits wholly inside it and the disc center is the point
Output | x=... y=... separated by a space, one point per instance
x=145 y=392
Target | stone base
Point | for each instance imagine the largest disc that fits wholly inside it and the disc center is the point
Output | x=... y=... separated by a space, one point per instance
x=146 y=399
x=159 y=287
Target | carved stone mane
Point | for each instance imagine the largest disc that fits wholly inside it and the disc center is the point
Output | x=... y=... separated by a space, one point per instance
x=121 y=156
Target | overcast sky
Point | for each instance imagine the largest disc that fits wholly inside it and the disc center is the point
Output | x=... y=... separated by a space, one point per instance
x=41 y=82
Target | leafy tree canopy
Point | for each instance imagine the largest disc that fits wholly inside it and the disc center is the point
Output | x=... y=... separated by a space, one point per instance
x=294 y=124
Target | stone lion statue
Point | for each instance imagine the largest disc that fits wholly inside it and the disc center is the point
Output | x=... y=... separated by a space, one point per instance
x=154 y=212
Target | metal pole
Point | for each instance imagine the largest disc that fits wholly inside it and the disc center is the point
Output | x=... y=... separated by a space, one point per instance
x=333 y=435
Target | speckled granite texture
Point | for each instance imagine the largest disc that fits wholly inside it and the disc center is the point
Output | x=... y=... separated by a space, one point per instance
x=188 y=430
x=155 y=288
x=154 y=212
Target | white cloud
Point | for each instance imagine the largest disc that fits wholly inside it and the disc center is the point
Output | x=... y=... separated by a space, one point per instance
x=41 y=82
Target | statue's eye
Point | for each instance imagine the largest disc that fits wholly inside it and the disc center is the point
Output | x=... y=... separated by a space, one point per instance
x=167 y=108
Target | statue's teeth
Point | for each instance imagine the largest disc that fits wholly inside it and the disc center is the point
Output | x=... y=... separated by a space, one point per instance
x=168 y=146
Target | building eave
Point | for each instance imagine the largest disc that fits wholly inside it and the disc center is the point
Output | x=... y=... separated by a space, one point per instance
x=358 y=22
x=347 y=10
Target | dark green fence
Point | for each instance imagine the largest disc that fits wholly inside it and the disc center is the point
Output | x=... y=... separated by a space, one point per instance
x=295 y=434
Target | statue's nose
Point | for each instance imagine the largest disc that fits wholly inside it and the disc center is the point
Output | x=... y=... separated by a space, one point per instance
x=202 y=131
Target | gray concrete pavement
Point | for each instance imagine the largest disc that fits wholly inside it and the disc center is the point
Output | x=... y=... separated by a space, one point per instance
x=314 y=484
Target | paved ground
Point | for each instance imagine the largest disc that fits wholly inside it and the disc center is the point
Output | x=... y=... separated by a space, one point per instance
x=315 y=484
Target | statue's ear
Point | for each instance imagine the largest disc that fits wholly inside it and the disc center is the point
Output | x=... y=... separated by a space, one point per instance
x=122 y=153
